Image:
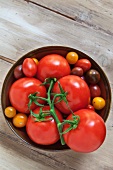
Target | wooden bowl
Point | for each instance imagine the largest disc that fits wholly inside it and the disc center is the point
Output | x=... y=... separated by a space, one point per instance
x=39 y=53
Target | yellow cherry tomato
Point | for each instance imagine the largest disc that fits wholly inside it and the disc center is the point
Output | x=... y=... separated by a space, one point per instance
x=10 y=112
x=20 y=120
x=98 y=103
x=72 y=57
x=35 y=60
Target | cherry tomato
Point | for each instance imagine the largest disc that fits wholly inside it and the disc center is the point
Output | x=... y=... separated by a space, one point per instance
x=90 y=107
x=36 y=61
x=83 y=78
x=78 y=93
x=89 y=134
x=72 y=57
x=54 y=66
x=77 y=71
x=92 y=76
x=43 y=132
x=95 y=91
x=20 y=120
x=29 y=67
x=98 y=103
x=18 y=73
x=10 y=112
x=21 y=89
x=84 y=64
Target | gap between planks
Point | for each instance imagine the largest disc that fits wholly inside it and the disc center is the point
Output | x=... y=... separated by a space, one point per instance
x=7 y=59
x=76 y=18
x=52 y=163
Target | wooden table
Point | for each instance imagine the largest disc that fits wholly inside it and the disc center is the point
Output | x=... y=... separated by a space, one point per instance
x=84 y=25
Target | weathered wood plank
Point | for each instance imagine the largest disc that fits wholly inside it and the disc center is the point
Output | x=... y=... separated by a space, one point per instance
x=24 y=27
x=16 y=157
x=96 y=14
x=36 y=27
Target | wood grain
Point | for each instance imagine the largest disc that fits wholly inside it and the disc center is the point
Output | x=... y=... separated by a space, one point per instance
x=36 y=27
x=83 y=25
x=94 y=14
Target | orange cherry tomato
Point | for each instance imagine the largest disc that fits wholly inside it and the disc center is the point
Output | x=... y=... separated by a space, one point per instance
x=98 y=103
x=35 y=60
x=72 y=57
x=10 y=112
x=20 y=120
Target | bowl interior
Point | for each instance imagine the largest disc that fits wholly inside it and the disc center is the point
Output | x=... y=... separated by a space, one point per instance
x=39 y=53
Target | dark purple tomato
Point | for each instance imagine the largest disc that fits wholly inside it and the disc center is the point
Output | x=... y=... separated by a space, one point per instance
x=78 y=71
x=95 y=90
x=18 y=73
x=83 y=78
x=92 y=76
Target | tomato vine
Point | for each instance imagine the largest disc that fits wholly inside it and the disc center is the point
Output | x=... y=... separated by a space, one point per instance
x=42 y=114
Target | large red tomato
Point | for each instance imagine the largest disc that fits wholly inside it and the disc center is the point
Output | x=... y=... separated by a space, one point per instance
x=78 y=93
x=45 y=132
x=54 y=66
x=90 y=133
x=20 y=91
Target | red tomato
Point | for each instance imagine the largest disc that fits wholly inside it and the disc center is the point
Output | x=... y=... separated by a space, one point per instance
x=84 y=64
x=46 y=132
x=78 y=93
x=29 y=67
x=54 y=66
x=90 y=107
x=18 y=72
x=20 y=91
x=90 y=133
x=95 y=90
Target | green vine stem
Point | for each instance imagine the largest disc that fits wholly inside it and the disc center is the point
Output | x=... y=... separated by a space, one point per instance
x=52 y=110
x=42 y=114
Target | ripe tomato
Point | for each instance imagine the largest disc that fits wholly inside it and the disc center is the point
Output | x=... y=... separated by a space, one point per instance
x=78 y=93
x=46 y=132
x=77 y=71
x=20 y=91
x=36 y=61
x=95 y=90
x=90 y=107
x=72 y=57
x=18 y=72
x=29 y=67
x=54 y=66
x=98 y=103
x=10 y=112
x=20 y=120
x=84 y=64
x=92 y=76
x=90 y=133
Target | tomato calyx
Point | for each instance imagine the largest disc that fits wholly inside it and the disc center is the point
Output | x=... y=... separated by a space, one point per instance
x=48 y=81
x=73 y=123
x=33 y=99
x=41 y=117
x=62 y=96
